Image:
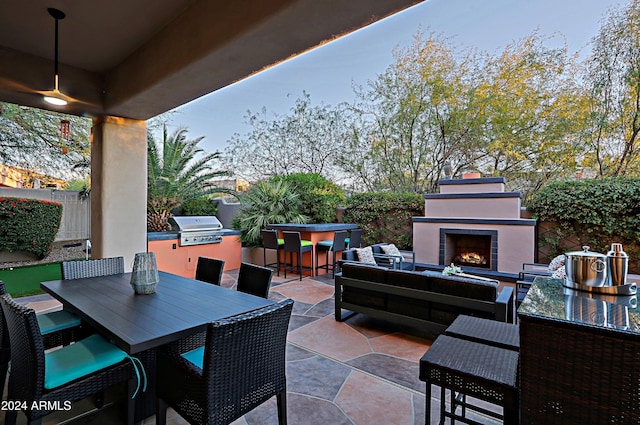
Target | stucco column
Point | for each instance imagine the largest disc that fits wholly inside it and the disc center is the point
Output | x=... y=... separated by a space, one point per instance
x=118 y=188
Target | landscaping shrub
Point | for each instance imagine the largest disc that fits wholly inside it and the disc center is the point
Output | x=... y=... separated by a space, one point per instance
x=29 y=225
x=198 y=206
x=318 y=196
x=385 y=217
x=591 y=212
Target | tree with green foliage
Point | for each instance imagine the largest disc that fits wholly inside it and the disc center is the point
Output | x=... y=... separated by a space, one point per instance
x=612 y=76
x=529 y=113
x=509 y=115
x=304 y=141
x=318 y=196
x=413 y=119
x=178 y=170
x=266 y=202
x=31 y=139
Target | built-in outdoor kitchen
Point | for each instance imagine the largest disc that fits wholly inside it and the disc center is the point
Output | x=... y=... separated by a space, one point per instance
x=190 y=237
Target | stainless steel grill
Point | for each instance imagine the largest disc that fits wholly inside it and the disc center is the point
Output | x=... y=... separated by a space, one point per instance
x=197 y=230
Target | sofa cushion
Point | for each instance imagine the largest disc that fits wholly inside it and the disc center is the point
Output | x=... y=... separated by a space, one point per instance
x=365 y=255
x=359 y=296
x=407 y=305
x=391 y=249
x=463 y=287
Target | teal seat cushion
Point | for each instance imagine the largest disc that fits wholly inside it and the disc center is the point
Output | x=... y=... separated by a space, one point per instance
x=57 y=321
x=195 y=356
x=80 y=359
x=325 y=244
x=306 y=243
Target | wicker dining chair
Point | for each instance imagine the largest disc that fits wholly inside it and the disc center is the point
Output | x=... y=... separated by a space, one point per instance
x=5 y=348
x=92 y=268
x=241 y=365
x=78 y=270
x=254 y=280
x=72 y=373
x=209 y=270
x=57 y=328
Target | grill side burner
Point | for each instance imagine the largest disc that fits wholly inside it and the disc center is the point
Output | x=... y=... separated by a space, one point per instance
x=197 y=230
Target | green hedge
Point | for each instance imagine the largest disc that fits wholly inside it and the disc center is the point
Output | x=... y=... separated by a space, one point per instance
x=385 y=217
x=198 y=206
x=593 y=212
x=29 y=225
x=318 y=196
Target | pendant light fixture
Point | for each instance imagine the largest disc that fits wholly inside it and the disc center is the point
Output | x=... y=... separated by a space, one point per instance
x=55 y=97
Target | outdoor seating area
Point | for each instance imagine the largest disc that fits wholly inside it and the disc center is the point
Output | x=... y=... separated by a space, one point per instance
x=325 y=376
x=475 y=368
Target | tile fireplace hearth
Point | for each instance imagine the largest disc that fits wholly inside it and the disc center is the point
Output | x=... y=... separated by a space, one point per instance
x=474 y=224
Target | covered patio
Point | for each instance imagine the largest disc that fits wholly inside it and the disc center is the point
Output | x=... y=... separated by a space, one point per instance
x=125 y=62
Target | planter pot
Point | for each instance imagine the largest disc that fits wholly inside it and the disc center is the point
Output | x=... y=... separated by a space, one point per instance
x=254 y=256
x=471 y=175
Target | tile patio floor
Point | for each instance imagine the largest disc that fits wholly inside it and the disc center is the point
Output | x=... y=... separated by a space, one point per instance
x=359 y=372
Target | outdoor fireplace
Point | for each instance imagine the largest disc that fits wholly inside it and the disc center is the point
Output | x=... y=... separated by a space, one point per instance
x=475 y=224
x=469 y=248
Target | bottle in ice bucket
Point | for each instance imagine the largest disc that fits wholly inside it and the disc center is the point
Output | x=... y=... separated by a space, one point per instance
x=617 y=265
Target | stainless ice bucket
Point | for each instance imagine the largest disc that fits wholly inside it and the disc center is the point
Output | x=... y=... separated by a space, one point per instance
x=586 y=268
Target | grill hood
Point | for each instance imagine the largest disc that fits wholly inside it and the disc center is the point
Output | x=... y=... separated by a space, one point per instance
x=195 y=223
x=197 y=230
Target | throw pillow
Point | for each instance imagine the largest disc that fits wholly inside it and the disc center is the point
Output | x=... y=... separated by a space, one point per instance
x=365 y=255
x=559 y=274
x=391 y=249
x=557 y=263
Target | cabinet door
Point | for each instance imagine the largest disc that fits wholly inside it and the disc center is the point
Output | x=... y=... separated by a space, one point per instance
x=170 y=257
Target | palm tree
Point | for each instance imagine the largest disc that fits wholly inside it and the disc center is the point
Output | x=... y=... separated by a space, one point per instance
x=267 y=202
x=176 y=175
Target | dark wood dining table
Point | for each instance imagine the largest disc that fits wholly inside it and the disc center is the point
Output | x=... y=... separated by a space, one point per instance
x=139 y=324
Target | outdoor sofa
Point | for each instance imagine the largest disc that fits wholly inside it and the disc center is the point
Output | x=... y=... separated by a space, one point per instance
x=428 y=300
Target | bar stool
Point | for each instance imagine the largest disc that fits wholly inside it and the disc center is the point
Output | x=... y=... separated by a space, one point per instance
x=468 y=368
x=293 y=244
x=485 y=331
x=336 y=245
x=270 y=241
x=353 y=241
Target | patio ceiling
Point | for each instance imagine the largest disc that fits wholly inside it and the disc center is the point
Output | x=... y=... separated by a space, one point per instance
x=139 y=58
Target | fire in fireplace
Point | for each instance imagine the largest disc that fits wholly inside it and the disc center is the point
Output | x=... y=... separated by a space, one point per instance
x=469 y=248
x=471 y=259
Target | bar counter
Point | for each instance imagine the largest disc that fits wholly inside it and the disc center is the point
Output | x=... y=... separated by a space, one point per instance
x=314 y=232
x=579 y=356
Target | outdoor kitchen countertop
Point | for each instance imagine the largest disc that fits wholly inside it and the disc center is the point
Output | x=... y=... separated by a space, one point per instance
x=317 y=227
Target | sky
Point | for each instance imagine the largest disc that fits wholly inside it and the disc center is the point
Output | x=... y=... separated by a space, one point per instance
x=329 y=72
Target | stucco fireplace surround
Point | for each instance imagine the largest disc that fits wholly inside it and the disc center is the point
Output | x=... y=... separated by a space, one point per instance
x=475 y=224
